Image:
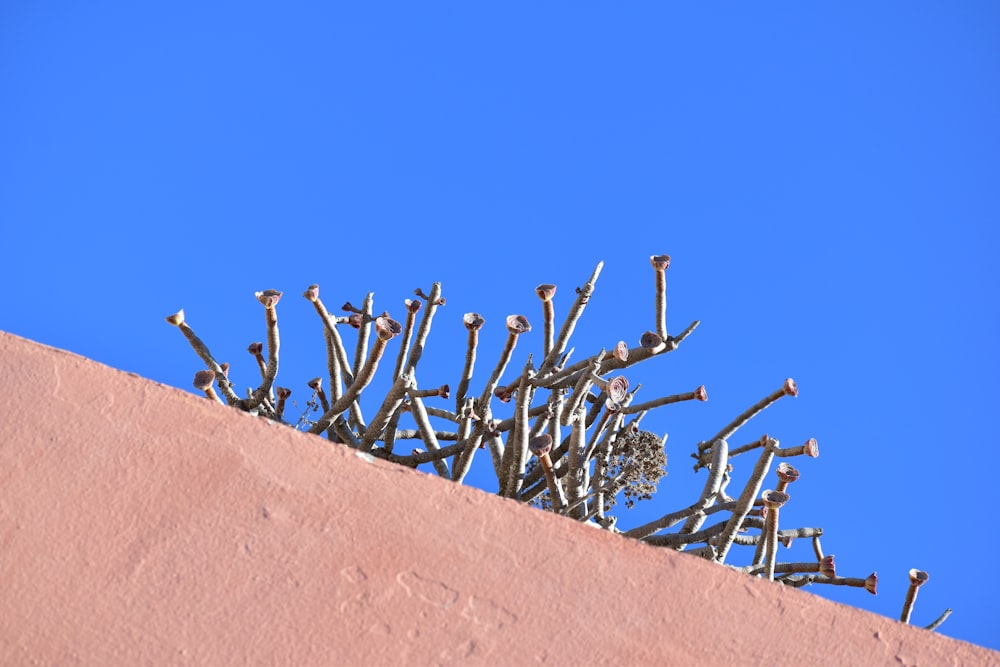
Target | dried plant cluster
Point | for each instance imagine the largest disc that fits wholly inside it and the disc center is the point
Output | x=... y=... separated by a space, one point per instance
x=574 y=442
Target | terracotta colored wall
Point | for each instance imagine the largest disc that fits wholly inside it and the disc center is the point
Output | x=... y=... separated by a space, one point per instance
x=140 y=524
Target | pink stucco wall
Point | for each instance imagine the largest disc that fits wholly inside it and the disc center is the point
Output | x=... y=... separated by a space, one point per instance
x=141 y=524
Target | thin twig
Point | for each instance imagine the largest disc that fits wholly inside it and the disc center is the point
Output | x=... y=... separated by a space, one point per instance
x=516 y=325
x=427 y=432
x=869 y=584
x=433 y=301
x=330 y=325
x=917 y=579
x=471 y=431
x=473 y=323
x=773 y=500
x=580 y=391
x=387 y=329
x=569 y=324
x=332 y=366
x=746 y=499
x=364 y=330
x=389 y=407
x=698 y=394
x=415 y=459
x=939 y=620
x=660 y=265
x=575 y=481
x=681 y=540
x=710 y=494
x=416 y=434
x=412 y=306
x=225 y=386
x=787 y=389
x=545 y=292
x=515 y=454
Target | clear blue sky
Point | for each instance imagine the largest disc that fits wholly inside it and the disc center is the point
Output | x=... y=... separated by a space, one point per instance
x=826 y=180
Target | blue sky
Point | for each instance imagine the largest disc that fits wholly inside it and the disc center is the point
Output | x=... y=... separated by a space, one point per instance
x=825 y=179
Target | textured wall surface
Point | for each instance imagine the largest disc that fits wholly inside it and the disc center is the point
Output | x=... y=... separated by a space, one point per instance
x=141 y=524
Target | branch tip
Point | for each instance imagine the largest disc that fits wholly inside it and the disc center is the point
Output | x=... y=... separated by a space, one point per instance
x=473 y=321
x=387 y=328
x=790 y=388
x=871 y=583
x=650 y=341
x=517 y=324
x=545 y=291
x=660 y=262
x=203 y=380
x=268 y=298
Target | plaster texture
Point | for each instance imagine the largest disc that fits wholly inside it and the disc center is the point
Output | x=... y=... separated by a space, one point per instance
x=144 y=525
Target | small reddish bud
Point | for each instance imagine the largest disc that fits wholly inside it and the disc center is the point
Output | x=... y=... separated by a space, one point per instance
x=545 y=291
x=419 y=292
x=700 y=393
x=650 y=340
x=790 y=388
x=617 y=388
x=621 y=351
x=473 y=321
x=540 y=444
x=660 y=262
x=282 y=392
x=517 y=324
x=787 y=473
x=774 y=499
x=316 y=383
x=871 y=583
x=503 y=394
x=387 y=328
x=444 y=391
x=269 y=298
x=255 y=348
x=177 y=318
x=811 y=448
x=355 y=320
x=412 y=305
x=203 y=380
x=312 y=293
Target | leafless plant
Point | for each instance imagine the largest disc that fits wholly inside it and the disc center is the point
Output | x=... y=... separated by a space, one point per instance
x=573 y=444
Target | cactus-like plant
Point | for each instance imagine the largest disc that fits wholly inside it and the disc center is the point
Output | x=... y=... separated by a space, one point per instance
x=574 y=442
